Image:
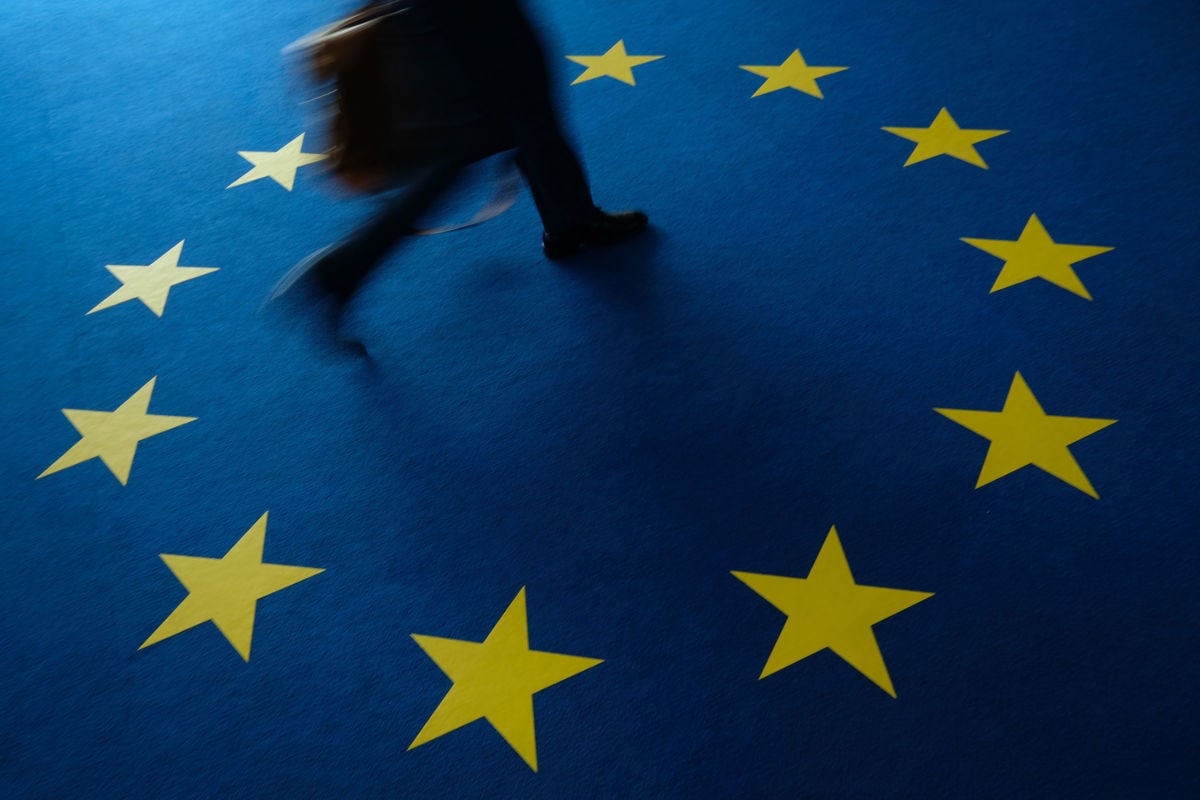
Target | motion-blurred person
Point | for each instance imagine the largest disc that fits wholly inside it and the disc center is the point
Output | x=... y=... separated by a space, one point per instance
x=490 y=89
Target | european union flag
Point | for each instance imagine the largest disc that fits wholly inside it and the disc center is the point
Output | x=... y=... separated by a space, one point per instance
x=869 y=471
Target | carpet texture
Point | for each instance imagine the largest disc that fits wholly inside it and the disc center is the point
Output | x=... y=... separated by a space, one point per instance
x=694 y=516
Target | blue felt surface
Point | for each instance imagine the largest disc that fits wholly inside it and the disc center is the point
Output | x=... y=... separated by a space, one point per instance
x=618 y=434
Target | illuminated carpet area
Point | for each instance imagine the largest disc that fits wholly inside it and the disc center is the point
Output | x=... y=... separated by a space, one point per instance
x=869 y=472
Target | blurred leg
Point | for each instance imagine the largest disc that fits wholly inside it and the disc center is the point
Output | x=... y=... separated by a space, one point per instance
x=357 y=255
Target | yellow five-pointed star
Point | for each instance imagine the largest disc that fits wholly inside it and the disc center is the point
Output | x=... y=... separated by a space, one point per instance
x=793 y=73
x=495 y=680
x=1036 y=255
x=944 y=137
x=828 y=609
x=616 y=63
x=152 y=283
x=280 y=165
x=226 y=590
x=1022 y=434
x=113 y=436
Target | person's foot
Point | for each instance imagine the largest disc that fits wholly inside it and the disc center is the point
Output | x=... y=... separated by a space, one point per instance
x=602 y=229
x=314 y=288
x=311 y=275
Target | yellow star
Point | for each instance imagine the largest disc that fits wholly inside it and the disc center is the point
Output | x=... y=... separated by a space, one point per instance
x=1036 y=255
x=616 y=63
x=828 y=609
x=495 y=680
x=1022 y=434
x=113 y=436
x=226 y=590
x=152 y=283
x=793 y=73
x=944 y=137
x=280 y=165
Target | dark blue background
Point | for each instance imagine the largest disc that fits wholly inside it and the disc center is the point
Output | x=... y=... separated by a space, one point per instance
x=618 y=434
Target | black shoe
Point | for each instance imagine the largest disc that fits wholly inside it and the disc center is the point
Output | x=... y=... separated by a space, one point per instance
x=601 y=229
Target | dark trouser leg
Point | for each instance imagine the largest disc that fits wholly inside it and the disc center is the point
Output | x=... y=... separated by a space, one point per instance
x=365 y=247
x=555 y=176
x=504 y=59
x=548 y=161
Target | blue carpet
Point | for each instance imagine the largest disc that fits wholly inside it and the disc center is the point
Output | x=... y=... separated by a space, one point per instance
x=609 y=440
